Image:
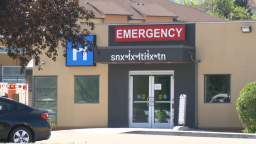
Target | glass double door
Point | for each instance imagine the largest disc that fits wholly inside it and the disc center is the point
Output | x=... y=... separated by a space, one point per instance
x=151 y=99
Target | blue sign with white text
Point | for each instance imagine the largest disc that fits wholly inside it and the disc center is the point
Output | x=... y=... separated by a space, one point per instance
x=75 y=57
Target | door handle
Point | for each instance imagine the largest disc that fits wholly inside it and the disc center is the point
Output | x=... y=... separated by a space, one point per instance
x=152 y=101
x=8 y=114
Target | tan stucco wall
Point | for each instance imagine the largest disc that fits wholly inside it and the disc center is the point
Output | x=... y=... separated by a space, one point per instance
x=158 y=19
x=69 y=113
x=135 y=21
x=91 y=20
x=224 y=49
x=5 y=60
x=30 y=99
x=115 y=19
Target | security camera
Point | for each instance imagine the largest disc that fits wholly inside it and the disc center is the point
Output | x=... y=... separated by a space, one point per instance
x=43 y=62
x=200 y=61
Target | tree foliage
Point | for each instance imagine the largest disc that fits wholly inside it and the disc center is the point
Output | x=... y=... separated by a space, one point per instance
x=246 y=107
x=177 y=1
x=241 y=13
x=225 y=9
x=30 y=27
x=241 y=3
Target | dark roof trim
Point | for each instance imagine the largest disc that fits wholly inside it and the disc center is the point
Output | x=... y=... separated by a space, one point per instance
x=118 y=14
x=162 y=16
x=181 y=22
x=156 y=23
x=136 y=19
x=93 y=18
x=146 y=47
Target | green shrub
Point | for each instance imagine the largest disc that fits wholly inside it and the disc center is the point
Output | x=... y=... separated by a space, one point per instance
x=246 y=107
x=53 y=121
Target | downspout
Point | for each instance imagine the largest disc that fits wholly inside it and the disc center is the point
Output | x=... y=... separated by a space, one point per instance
x=196 y=89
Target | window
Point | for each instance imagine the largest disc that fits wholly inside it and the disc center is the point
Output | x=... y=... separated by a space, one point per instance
x=4 y=49
x=6 y=106
x=29 y=79
x=86 y=89
x=45 y=94
x=217 y=88
x=11 y=74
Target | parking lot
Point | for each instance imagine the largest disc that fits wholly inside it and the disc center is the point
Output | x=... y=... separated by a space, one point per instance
x=114 y=136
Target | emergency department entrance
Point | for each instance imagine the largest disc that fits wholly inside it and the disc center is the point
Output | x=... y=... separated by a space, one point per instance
x=143 y=91
x=151 y=96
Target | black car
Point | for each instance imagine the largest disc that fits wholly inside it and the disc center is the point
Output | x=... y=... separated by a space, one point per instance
x=20 y=123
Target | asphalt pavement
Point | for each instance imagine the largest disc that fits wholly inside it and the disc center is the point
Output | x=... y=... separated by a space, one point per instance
x=146 y=136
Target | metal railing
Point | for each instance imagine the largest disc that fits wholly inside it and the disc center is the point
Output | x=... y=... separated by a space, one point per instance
x=13 y=79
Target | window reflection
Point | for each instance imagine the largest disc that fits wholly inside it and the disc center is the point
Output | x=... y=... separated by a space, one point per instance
x=217 y=88
x=86 y=89
x=11 y=74
x=45 y=96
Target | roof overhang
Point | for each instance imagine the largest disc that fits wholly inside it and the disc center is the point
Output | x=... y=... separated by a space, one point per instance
x=145 y=54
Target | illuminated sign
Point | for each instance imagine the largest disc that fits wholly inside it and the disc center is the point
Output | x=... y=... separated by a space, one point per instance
x=150 y=33
x=76 y=58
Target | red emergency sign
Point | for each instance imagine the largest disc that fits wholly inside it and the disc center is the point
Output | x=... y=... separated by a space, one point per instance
x=150 y=33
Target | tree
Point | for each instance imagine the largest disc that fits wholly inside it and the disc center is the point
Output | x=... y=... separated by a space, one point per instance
x=194 y=2
x=177 y=1
x=225 y=9
x=218 y=8
x=186 y=2
x=241 y=3
x=241 y=13
x=28 y=27
x=189 y=3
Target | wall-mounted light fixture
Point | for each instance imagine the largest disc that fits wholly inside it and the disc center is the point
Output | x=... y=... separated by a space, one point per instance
x=246 y=29
x=43 y=63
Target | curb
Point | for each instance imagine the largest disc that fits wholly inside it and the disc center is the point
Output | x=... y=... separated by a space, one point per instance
x=195 y=134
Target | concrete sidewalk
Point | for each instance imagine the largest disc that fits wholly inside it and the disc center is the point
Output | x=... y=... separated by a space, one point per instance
x=119 y=136
x=152 y=131
x=193 y=133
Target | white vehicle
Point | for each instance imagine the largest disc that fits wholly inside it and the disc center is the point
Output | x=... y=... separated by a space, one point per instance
x=220 y=98
x=15 y=91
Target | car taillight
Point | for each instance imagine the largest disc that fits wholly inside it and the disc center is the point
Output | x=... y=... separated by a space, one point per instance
x=45 y=115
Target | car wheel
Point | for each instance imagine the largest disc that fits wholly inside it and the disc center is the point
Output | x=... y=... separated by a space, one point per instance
x=20 y=135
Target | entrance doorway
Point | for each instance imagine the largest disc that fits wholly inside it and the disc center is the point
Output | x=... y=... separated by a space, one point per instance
x=151 y=97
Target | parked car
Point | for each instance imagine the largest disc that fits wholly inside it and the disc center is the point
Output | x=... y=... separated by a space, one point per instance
x=220 y=98
x=20 y=123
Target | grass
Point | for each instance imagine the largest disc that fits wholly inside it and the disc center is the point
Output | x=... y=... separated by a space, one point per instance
x=43 y=143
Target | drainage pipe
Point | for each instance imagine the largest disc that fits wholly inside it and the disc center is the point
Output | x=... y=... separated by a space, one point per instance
x=196 y=89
